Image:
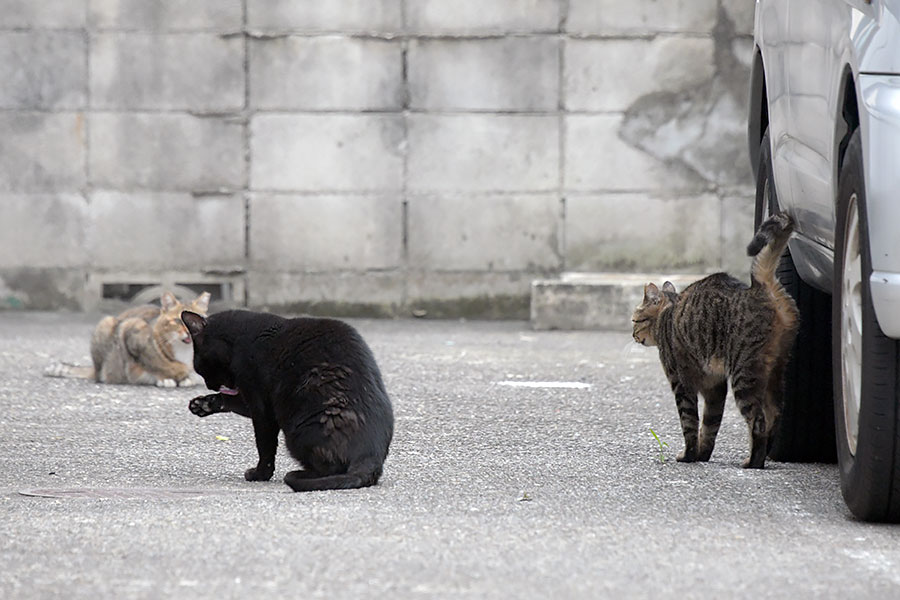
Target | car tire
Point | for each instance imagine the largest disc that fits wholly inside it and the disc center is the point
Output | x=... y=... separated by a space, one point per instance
x=864 y=362
x=766 y=197
x=805 y=430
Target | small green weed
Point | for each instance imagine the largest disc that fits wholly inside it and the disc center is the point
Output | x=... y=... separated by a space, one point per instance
x=662 y=456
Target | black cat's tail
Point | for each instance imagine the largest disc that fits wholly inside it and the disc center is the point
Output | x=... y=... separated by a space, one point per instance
x=304 y=481
x=767 y=246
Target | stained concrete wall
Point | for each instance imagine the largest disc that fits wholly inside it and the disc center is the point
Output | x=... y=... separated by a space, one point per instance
x=381 y=156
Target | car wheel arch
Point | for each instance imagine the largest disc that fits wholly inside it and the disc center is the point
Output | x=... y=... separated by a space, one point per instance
x=758 y=121
x=846 y=121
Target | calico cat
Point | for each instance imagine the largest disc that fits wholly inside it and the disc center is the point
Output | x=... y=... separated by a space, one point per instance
x=719 y=328
x=144 y=345
x=314 y=379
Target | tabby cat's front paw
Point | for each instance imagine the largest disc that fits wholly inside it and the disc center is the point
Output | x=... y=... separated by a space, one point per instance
x=203 y=406
x=166 y=383
x=687 y=455
x=704 y=454
x=187 y=382
x=258 y=473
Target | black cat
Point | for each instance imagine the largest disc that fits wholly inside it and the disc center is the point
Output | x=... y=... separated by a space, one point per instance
x=314 y=379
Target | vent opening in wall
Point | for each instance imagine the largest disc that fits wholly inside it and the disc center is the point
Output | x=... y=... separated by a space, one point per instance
x=185 y=292
x=109 y=292
x=123 y=291
x=217 y=291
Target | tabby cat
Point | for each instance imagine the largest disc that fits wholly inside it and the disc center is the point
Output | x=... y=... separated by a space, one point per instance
x=144 y=345
x=719 y=328
x=314 y=379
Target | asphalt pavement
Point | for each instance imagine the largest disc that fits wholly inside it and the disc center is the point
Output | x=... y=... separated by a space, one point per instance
x=523 y=466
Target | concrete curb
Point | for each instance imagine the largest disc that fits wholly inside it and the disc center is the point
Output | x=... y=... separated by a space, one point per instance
x=594 y=300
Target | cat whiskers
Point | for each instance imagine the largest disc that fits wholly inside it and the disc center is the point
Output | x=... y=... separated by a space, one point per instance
x=633 y=347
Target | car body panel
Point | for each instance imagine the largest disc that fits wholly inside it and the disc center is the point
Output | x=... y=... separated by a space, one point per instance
x=771 y=18
x=875 y=36
x=807 y=64
x=880 y=122
x=814 y=262
x=814 y=51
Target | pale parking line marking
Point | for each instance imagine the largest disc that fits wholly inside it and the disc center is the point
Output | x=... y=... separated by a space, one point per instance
x=126 y=493
x=570 y=385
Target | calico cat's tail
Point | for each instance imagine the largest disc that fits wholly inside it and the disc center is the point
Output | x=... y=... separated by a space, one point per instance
x=767 y=246
x=62 y=369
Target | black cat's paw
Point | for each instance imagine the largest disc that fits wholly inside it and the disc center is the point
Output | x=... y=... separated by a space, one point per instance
x=203 y=406
x=259 y=474
x=749 y=463
x=687 y=455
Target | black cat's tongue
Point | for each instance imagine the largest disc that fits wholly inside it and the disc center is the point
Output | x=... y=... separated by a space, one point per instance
x=227 y=391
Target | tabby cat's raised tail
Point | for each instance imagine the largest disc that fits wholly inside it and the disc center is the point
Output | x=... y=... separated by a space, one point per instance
x=767 y=246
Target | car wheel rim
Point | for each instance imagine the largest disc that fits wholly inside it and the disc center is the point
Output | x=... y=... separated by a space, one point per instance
x=851 y=325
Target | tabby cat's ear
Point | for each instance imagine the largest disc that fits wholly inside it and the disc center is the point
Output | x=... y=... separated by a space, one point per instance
x=201 y=304
x=651 y=293
x=194 y=322
x=168 y=301
x=669 y=287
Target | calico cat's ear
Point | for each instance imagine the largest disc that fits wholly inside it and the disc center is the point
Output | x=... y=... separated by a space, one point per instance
x=194 y=322
x=168 y=301
x=651 y=293
x=669 y=287
x=201 y=304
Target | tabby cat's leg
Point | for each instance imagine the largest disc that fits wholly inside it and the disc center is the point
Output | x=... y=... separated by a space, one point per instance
x=713 y=407
x=686 y=402
x=774 y=397
x=749 y=394
x=266 y=429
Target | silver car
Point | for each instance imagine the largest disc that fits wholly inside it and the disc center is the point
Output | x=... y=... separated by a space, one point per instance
x=824 y=133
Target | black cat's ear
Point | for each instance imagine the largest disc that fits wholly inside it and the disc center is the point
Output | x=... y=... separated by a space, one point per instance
x=194 y=322
x=669 y=287
x=651 y=293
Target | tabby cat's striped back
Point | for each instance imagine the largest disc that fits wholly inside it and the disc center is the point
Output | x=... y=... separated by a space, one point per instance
x=720 y=328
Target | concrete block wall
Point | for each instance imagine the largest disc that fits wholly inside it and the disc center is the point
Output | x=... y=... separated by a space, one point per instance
x=368 y=156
